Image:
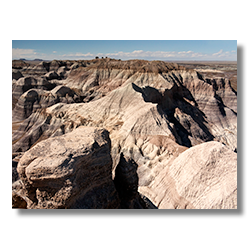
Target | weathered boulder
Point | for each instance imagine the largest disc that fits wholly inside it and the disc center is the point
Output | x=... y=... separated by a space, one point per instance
x=70 y=171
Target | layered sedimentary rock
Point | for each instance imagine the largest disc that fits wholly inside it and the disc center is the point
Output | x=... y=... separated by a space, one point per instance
x=154 y=111
x=29 y=82
x=202 y=177
x=37 y=99
x=74 y=171
x=70 y=171
x=104 y=75
x=124 y=113
x=41 y=68
x=135 y=111
x=19 y=64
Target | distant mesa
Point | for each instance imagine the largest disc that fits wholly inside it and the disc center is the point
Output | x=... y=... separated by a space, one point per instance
x=36 y=60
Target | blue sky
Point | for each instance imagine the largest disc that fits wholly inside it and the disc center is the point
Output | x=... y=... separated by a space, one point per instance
x=126 y=49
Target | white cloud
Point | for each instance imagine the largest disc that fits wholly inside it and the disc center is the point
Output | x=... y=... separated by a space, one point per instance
x=136 y=54
x=225 y=55
x=77 y=55
x=137 y=51
x=160 y=55
x=218 y=53
x=185 y=52
x=142 y=54
x=23 y=53
x=197 y=55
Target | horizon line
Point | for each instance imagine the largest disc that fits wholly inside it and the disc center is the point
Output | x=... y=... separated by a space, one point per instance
x=176 y=60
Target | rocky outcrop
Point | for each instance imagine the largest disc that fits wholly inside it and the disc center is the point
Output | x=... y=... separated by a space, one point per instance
x=24 y=94
x=51 y=75
x=154 y=111
x=26 y=83
x=55 y=65
x=62 y=72
x=42 y=67
x=75 y=171
x=39 y=99
x=200 y=109
x=175 y=112
x=202 y=177
x=26 y=104
x=104 y=75
x=69 y=171
x=19 y=64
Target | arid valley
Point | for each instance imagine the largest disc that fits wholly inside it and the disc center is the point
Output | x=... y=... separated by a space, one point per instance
x=124 y=134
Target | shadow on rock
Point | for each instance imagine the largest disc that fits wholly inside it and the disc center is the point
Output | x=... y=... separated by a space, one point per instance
x=126 y=183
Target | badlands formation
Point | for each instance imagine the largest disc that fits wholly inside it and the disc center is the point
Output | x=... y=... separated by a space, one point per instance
x=107 y=133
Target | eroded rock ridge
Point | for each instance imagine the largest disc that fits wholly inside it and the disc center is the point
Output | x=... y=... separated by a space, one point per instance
x=154 y=112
